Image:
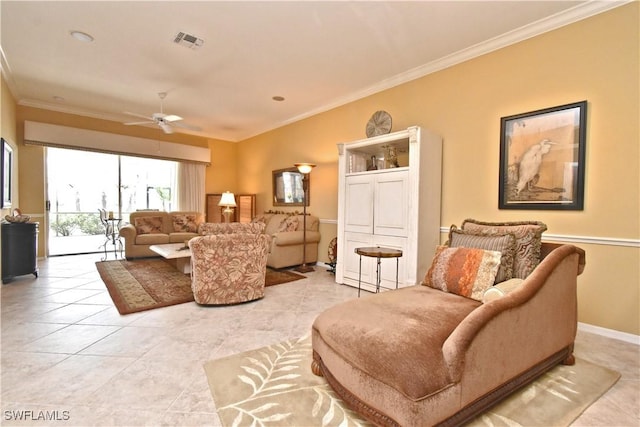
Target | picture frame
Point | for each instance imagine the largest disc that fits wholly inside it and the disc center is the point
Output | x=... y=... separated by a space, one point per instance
x=288 y=187
x=542 y=159
x=6 y=173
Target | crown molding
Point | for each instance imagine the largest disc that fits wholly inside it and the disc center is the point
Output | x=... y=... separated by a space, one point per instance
x=5 y=70
x=550 y=23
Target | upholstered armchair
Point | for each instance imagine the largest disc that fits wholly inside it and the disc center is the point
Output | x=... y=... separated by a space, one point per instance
x=228 y=268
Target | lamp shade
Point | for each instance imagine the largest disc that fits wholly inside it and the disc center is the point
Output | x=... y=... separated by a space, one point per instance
x=227 y=199
x=304 y=168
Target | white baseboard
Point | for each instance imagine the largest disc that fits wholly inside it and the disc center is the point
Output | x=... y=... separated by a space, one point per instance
x=610 y=333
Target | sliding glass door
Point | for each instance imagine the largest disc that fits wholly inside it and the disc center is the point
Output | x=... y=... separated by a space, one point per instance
x=80 y=182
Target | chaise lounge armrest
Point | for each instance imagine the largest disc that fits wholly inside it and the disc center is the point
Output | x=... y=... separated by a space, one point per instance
x=536 y=322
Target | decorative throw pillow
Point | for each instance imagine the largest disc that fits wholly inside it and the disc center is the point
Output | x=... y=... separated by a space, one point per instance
x=463 y=271
x=264 y=218
x=148 y=224
x=290 y=223
x=185 y=223
x=528 y=241
x=504 y=243
x=501 y=289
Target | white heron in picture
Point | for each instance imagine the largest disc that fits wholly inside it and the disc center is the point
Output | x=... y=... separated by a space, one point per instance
x=530 y=164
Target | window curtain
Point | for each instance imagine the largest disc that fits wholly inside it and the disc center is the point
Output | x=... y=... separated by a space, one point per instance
x=190 y=185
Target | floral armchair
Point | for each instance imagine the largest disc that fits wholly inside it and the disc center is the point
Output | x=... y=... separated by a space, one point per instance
x=228 y=268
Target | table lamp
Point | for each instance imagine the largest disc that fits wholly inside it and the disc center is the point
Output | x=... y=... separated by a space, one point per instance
x=228 y=200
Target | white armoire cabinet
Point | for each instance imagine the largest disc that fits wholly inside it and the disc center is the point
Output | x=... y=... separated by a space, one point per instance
x=393 y=204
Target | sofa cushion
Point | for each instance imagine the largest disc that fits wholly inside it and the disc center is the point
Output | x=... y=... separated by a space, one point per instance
x=290 y=223
x=148 y=224
x=152 y=239
x=181 y=237
x=186 y=223
x=467 y=272
x=210 y=228
x=528 y=241
x=504 y=243
x=427 y=316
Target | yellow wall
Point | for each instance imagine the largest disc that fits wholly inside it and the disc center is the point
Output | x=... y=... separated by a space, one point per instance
x=595 y=60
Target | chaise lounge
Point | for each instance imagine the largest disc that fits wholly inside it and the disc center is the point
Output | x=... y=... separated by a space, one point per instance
x=421 y=356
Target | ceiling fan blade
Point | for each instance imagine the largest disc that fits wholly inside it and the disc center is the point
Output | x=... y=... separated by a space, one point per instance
x=186 y=126
x=165 y=127
x=142 y=116
x=171 y=118
x=147 y=122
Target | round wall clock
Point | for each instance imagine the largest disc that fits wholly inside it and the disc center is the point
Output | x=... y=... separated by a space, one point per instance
x=379 y=124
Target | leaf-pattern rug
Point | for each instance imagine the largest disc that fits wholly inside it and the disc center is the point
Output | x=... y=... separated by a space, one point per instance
x=274 y=386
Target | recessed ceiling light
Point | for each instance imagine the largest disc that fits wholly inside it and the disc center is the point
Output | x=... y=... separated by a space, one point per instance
x=83 y=37
x=278 y=98
x=58 y=98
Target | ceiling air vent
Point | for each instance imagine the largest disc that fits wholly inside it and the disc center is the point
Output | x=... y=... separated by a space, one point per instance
x=188 y=40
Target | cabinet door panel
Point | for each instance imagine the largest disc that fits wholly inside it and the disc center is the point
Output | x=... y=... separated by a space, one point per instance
x=352 y=259
x=391 y=204
x=359 y=204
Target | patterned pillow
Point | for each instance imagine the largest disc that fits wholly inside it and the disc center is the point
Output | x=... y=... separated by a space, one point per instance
x=185 y=223
x=500 y=290
x=528 y=241
x=463 y=271
x=504 y=243
x=148 y=225
x=290 y=223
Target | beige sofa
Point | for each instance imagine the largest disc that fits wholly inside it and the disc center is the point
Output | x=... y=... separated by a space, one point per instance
x=148 y=228
x=420 y=356
x=286 y=239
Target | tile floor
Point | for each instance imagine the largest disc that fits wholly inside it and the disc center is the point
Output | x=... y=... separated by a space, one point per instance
x=67 y=352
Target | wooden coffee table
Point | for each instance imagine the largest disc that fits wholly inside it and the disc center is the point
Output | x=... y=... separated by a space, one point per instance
x=177 y=251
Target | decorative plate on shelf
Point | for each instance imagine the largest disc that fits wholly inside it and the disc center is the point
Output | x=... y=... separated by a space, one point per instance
x=378 y=124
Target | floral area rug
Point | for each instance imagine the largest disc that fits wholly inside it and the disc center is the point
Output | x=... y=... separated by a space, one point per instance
x=144 y=284
x=153 y=283
x=274 y=386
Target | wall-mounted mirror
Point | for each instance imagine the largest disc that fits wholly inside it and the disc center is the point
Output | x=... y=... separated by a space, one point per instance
x=287 y=188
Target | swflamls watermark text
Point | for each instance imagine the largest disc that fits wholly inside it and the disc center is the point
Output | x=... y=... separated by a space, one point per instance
x=29 y=415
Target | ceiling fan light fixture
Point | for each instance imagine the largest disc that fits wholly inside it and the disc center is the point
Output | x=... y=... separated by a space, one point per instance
x=171 y=118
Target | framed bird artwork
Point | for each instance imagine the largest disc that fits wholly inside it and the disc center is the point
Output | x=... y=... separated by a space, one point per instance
x=542 y=159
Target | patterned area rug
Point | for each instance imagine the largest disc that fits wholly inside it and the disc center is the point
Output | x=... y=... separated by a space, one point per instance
x=274 y=386
x=153 y=283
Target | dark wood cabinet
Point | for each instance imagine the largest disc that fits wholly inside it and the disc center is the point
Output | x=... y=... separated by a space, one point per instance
x=19 y=250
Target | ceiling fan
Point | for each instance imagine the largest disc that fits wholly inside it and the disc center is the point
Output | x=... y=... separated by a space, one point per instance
x=165 y=121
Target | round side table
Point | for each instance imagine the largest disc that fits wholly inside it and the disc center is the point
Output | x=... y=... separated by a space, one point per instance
x=378 y=253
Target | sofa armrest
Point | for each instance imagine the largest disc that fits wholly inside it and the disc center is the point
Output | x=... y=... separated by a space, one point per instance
x=128 y=232
x=288 y=238
x=520 y=329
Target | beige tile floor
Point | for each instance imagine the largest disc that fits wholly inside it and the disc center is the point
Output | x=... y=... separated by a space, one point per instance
x=67 y=351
